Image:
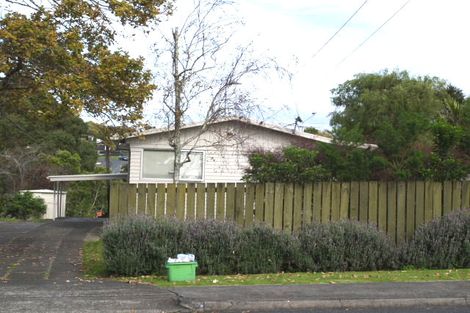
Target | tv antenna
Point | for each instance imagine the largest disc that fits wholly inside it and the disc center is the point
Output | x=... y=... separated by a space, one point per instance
x=299 y=120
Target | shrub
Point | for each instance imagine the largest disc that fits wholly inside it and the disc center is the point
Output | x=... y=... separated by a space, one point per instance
x=215 y=245
x=22 y=206
x=441 y=243
x=345 y=246
x=139 y=245
x=262 y=250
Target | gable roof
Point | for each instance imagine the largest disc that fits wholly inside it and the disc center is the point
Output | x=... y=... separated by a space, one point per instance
x=295 y=133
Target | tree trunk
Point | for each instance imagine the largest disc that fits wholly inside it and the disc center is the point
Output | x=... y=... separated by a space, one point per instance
x=107 y=158
x=176 y=140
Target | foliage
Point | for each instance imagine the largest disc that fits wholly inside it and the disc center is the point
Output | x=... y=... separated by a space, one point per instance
x=441 y=243
x=377 y=104
x=345 y=246
x=59 y=59
x=349 y=163
x=418 y=123
x=421 y=126
x=139 y=245
x=293 y=164
x=40 y=149
x=83 y=198
x=262 y=250
x=22 y=205
x=215 y=244
x=314 y=131
x=66 y=161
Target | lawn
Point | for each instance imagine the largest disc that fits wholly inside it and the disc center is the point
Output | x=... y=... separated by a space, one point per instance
x=94 y=267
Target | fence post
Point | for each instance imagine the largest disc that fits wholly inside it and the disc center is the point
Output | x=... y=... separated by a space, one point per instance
x=114 y=200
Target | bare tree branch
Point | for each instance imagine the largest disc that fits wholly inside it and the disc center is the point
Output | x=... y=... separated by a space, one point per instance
x=208 y=75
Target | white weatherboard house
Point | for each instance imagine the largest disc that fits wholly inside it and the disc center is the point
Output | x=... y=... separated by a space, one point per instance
x=218 y=155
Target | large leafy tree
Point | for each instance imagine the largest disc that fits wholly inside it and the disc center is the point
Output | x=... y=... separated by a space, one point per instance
x=420 y=124
x=392 y=110
x=408 y=118
x=59 y=58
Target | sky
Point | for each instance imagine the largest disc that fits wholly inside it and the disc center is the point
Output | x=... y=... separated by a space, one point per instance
x=426 y=37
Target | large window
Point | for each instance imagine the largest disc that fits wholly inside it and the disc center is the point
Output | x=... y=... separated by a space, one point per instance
x=159 y=164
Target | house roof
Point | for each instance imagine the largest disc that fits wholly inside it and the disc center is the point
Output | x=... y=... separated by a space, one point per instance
x=296 y=133
x=86 y=177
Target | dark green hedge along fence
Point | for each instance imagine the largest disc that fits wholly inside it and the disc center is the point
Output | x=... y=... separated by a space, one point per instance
x=395 y=207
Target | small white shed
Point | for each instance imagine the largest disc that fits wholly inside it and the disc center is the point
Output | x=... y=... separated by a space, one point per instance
x=55 y=202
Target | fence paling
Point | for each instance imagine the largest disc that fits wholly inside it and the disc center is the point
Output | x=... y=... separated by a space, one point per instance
x=397 y=208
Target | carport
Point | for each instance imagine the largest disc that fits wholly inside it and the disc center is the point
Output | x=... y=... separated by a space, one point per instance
x=60 y=180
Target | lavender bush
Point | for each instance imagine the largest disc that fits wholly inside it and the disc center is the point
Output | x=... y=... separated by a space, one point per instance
x=262 y=250
x=140 y=245
x=345 y=246
x=441 y=243
x=215 y=244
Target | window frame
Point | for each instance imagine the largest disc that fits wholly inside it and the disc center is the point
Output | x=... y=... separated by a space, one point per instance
x=142 y=177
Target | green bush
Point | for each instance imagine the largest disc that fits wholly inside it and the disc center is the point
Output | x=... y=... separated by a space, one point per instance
x=441 y=243
x=22 y=206
x=140 y=245
x=345 y=246
x=215 y=245
x=262 y=250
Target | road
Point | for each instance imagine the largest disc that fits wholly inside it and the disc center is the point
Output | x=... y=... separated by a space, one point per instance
x=434 y=309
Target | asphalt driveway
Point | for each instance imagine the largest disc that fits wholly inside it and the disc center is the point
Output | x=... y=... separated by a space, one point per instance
x=43 y=252
x=40 y=271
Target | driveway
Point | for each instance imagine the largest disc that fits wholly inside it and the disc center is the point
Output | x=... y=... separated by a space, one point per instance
x=40 y=271
x=43 y=252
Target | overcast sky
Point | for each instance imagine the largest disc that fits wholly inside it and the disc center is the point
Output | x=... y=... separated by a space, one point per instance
x=427 y=37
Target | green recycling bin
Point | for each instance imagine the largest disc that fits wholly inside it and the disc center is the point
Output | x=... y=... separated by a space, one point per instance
x=181 y=271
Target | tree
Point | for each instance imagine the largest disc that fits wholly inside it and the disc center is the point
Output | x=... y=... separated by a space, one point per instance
x=398 y=113
x=205 y=74
x=421 y=126
x=392 y=109
x=60 y=58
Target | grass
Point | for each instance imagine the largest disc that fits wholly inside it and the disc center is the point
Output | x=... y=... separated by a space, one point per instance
x=94 y=267
x=93 y=263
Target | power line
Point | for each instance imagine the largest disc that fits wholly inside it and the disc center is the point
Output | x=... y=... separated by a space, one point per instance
x=375 y=32
x=342 y=26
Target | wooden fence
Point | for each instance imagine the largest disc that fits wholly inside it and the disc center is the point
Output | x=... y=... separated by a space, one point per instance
x=394 y=207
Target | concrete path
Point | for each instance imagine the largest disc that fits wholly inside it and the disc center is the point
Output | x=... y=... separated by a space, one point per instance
x=345 y=296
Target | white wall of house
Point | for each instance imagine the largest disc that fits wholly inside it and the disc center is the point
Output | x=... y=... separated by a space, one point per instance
x=225 y=148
